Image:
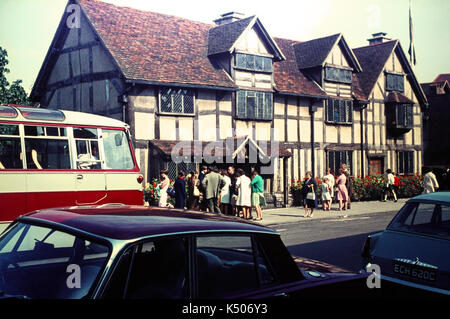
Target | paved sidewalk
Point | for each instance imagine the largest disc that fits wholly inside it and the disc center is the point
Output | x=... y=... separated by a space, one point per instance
x=276 y=216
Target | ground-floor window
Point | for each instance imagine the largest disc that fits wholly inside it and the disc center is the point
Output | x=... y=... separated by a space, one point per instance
x=336 y=158
x=175 y=168
x=405 y=160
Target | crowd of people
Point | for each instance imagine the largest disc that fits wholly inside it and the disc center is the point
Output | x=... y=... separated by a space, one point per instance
x=232 y=192
x=339 y=188
x=228 y=192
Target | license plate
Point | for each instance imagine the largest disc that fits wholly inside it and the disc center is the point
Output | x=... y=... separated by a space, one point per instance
x=414 y=271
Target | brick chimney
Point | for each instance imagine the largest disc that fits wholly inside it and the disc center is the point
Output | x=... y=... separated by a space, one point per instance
x=228 y=17
x=379 y=37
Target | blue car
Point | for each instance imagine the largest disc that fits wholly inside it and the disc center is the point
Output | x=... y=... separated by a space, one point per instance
x=414 y=250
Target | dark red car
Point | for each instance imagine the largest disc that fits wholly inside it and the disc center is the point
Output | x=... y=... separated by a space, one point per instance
x=132 y=252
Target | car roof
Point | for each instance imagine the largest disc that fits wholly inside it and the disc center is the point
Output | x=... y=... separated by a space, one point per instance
x=131 y=222
x=436 y=197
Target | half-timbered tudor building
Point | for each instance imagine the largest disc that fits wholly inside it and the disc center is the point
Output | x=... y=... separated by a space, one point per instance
x=320 y=102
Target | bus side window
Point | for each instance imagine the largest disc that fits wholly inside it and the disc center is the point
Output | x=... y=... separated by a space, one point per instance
x=47 y=154
x=10 y=153
x=10 y=147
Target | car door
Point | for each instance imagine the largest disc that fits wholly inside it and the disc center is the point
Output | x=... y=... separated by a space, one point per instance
x=152 y=269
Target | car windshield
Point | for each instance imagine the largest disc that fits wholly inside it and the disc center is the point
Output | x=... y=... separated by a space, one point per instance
x=423 y=218
x=44 y=263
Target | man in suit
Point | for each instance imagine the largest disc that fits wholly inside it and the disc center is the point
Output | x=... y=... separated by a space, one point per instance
x=212 y=184
x=180 y=191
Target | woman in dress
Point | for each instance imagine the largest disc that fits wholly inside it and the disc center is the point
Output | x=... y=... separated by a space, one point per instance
x=163 y=186
x=225 y=196
x=244 y=200
x=309 y=192
x=342 y=193
x=326 y=194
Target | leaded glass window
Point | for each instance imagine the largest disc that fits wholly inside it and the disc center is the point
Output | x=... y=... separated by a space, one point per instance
x=176 y=100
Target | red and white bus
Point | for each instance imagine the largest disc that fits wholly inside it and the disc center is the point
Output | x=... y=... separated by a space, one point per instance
x=51 y=158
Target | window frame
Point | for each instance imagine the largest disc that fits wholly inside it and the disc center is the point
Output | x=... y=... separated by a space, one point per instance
x=266 y=97
x=348 y=154
x=160 y=93
x=397 y=87
x=254 y=69
x=337 y=79
x=407 y=169
x=346 y=105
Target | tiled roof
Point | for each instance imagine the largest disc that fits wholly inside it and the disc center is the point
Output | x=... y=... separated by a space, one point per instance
x=222 y=37
x=396 y=97
x=442 y=77
x=288 y=77
x=314 y=52
x=372 y=59
x=176 y=53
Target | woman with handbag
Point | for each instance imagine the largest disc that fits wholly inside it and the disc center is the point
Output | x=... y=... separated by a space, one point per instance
x=309 y=191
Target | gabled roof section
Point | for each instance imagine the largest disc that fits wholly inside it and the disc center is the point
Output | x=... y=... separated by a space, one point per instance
x=223 y=38
x=442 y=77
x=155 y=48
x=373 y=59
x=289 y=79
x=313 y=53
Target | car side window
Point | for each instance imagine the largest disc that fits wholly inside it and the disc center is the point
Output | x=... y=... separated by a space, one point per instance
x=424 y=218
x=424 y=214
x=159 y=270
x=226 y=265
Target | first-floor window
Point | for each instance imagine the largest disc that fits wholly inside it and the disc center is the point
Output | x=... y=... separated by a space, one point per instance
x=336 y=158
x=254 y=105
x=176 y=101
x=405 y=162
x=339 y=111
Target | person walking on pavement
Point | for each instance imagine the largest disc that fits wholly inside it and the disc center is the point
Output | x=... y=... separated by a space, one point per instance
x=180 y=191
x=212 y=184
x=326 y=194
x=348 y=184
x=389 y=185
x=342 y=193
x=194 y=192
x=309 y=190
x=225 y=195
x=430 y=183
x=331 y=182
x=233 y=191
x=163 y=186
x=244 y=199
x=257 y=194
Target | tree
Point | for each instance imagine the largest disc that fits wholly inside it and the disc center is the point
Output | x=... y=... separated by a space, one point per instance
x=14 y=94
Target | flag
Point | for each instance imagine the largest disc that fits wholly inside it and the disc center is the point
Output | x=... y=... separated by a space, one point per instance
x=412 y=50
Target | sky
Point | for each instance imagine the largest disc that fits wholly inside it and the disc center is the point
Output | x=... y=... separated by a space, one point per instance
x=27 y=27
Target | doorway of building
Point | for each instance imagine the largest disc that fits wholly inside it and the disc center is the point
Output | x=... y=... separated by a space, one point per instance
x=376 y=165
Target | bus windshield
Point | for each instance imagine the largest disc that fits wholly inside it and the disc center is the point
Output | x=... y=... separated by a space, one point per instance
x=117 y=150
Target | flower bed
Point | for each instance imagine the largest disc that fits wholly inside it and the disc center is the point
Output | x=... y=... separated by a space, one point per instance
x=151 y=194
x=367 y=188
